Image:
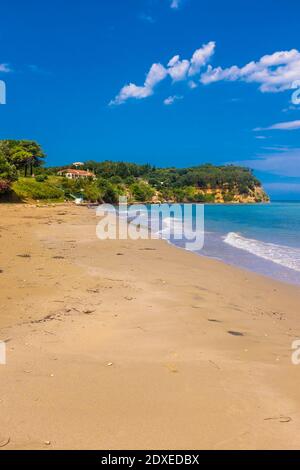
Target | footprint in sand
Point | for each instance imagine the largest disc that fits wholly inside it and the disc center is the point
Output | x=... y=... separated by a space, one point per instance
x=4 y=441
x=172 y=368
x=235 y=333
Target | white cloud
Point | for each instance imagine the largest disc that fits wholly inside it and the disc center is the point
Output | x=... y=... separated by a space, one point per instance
x=192 y=84
x=156 y=74
x=132 y=91
x=171 y=99
x=281 y=126
x=176 y=68
x=274 y=73
x=4 y=68
x=201 y=57
x=277 y=148
x=284 y=162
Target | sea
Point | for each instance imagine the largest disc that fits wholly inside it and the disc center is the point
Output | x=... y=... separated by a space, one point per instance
x=264 y=238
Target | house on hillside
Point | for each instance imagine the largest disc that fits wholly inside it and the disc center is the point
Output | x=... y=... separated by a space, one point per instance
x=76 y=174
x=78 y=164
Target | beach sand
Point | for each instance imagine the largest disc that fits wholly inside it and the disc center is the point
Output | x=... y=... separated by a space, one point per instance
x=138 y=344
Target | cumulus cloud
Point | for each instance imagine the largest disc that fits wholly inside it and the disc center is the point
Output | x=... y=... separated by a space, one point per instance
x=156 y=74
x=171 y=100
x=281 y=126
x=274 y=73
x=178 y=69
x=201 y=57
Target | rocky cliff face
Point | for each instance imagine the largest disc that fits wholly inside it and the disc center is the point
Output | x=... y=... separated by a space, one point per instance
x=257 y=195
x=218 y=196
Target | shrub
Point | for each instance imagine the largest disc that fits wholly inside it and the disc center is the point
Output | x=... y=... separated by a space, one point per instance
x=116 y=180
x=41 y=178
x=228 y=197
x=110 y=195
x=4 y=186
x=8 y=174
x=92 y=193
x=209 y=198
x=141 y=191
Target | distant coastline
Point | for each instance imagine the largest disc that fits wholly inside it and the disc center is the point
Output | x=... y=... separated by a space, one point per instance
x=24 y=177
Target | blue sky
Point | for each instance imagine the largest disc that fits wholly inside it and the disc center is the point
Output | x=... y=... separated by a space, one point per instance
x=226 y=98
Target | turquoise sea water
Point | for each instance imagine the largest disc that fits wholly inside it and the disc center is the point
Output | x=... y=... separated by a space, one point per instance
x=264 y=238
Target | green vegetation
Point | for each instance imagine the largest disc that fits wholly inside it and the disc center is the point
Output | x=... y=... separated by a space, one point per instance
x=141 y=191
x=18 y=157
x=202 y=176
x=22 y=172
x=8 y=174
x=29 y=188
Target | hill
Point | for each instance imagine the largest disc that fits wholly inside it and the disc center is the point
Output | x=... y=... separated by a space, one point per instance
x=23 y=175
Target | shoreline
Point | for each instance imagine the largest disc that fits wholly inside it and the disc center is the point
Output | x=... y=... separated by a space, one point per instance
x=235 y=266
x=123 y=344
x=243 y=257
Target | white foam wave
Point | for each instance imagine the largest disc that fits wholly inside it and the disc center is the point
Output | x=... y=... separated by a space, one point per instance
x=173 y=227
x=286 y=256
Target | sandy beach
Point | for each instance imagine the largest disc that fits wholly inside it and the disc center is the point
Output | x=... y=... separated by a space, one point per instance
x=138 y=344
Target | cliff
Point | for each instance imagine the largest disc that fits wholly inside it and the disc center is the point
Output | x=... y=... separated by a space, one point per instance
x=218 y=196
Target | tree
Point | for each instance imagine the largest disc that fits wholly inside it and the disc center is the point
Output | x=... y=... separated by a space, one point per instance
x=23 y=154
x=141 y=191
x=8 y=174
x=110 y=195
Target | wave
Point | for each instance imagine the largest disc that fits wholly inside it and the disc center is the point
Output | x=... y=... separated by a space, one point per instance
x=286 y=256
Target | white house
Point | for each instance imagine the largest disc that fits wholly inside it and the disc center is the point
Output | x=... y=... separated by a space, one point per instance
x=76 y=174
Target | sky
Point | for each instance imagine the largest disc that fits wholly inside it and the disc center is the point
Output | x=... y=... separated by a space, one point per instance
x=166 y=82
